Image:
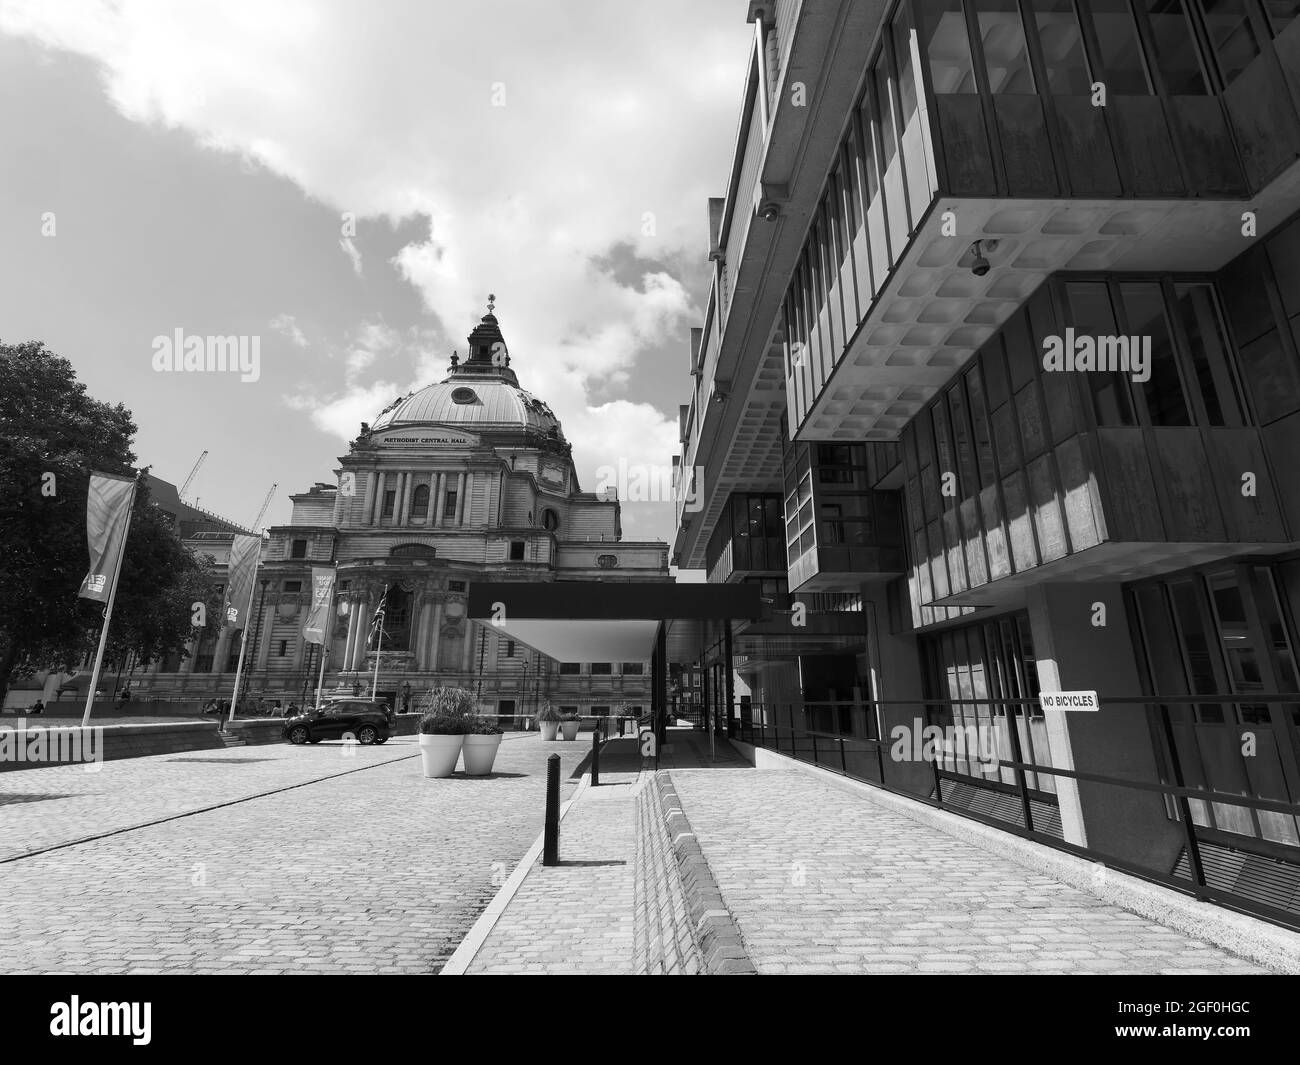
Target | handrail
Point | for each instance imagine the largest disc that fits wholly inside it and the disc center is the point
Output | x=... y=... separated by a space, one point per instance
x=761 y=725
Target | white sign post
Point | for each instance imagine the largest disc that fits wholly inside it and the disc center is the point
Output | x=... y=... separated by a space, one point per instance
x=1068 y=701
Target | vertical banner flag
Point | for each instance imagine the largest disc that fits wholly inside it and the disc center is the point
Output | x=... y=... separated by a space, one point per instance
x=108 y=513
x=322 y=590
x=245 y=553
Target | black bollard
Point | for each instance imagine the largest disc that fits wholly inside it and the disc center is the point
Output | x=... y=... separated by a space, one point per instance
x=595 y=758
x=551 y=843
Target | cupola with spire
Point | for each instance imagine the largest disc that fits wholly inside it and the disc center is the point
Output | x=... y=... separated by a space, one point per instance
x=488 y=354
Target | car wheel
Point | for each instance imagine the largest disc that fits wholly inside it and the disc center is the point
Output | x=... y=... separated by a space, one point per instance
x=298 y=735
x=366 y=735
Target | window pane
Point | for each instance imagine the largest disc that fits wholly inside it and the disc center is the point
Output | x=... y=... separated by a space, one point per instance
x=1090 y=307
x=1281 y=13
x=903 y=60
x=870 y=174
x=885 y=109
x=1062 y=41
x=1176 y=53
x=1125 y=71
x=1002 y=36
x=1231 y=36
x=948 y=48
x=1145 y=305
x=1211 y=359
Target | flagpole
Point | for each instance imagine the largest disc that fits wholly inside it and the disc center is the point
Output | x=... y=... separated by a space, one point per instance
x=108 y=612
x=243 y=636
x=324 y=647
x=379 y=647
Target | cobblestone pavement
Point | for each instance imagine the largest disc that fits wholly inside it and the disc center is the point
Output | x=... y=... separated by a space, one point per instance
x=820 y=880
x=375 y=871
x=46 y=807
x=576 y=917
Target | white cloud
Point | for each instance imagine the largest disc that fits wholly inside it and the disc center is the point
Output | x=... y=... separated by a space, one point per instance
x=607 y=118
x=350 y=250
x=286 y=325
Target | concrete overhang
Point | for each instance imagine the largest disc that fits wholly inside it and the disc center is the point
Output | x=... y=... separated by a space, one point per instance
x=739 y=445
x=934 y=313
x=579 y=621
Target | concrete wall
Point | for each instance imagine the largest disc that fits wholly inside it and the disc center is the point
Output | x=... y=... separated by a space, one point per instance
x=106 y=742
x=1076 y=655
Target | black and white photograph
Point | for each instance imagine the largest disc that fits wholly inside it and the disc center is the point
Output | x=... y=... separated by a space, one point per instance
x=699 y=488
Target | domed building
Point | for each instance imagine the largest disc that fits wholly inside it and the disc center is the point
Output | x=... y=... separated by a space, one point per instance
x=470 y=478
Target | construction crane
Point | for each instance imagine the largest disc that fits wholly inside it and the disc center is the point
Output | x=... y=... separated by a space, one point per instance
x=186 y=485
x=257 y=521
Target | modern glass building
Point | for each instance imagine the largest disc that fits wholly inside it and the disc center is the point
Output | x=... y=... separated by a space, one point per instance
x=1002 y=351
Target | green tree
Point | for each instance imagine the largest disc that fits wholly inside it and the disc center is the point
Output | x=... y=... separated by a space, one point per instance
x=52 y=435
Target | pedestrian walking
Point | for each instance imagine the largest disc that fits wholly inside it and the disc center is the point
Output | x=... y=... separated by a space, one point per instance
x=124 y=696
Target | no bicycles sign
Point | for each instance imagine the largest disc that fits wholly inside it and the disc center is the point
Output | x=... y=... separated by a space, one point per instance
x=1068 y=700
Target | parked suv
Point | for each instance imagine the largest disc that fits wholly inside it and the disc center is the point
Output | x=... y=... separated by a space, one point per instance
x=367 y=722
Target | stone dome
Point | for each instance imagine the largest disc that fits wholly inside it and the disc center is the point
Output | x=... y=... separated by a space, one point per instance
x=481 y=393
x=476 y=401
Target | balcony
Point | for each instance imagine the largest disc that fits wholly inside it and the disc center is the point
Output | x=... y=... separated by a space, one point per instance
x=965 y=146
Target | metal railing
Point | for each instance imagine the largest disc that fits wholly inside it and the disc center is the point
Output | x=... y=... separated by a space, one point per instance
x=1254 y=874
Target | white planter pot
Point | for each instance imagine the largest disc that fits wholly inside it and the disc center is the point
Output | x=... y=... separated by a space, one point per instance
x=479 y=753
x=439 y=754
x=570 y=729
x=549 y=729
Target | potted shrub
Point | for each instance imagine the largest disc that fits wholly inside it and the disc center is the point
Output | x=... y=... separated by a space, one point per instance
x=548 y=721
x=569 y=726
x=482 y=738
x=442 y=730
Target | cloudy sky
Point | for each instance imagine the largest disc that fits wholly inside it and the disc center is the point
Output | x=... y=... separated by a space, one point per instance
x=204 y=167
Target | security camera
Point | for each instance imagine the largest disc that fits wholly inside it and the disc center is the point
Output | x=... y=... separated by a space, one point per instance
x=770 y=212
x=979 y=265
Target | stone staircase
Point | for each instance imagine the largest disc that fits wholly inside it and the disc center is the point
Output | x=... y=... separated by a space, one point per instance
x=229 y=739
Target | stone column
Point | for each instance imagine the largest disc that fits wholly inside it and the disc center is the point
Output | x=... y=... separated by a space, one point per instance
x=470 y=635
x=368 y=509
x=1073 y=654
x=339 y=497
x=264 y=640
x=408 y=491
x=422 y=640
x=433 y=502
x=378 y=515
x=363 y=627
x=441 y=493
x=222 y=652
x=460 y=499
x=350 y=641
x=436 y=634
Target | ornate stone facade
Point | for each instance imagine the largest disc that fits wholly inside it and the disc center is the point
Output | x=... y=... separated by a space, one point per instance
x=467 y=479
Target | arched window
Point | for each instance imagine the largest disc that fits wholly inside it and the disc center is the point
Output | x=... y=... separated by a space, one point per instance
x=420 y=502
